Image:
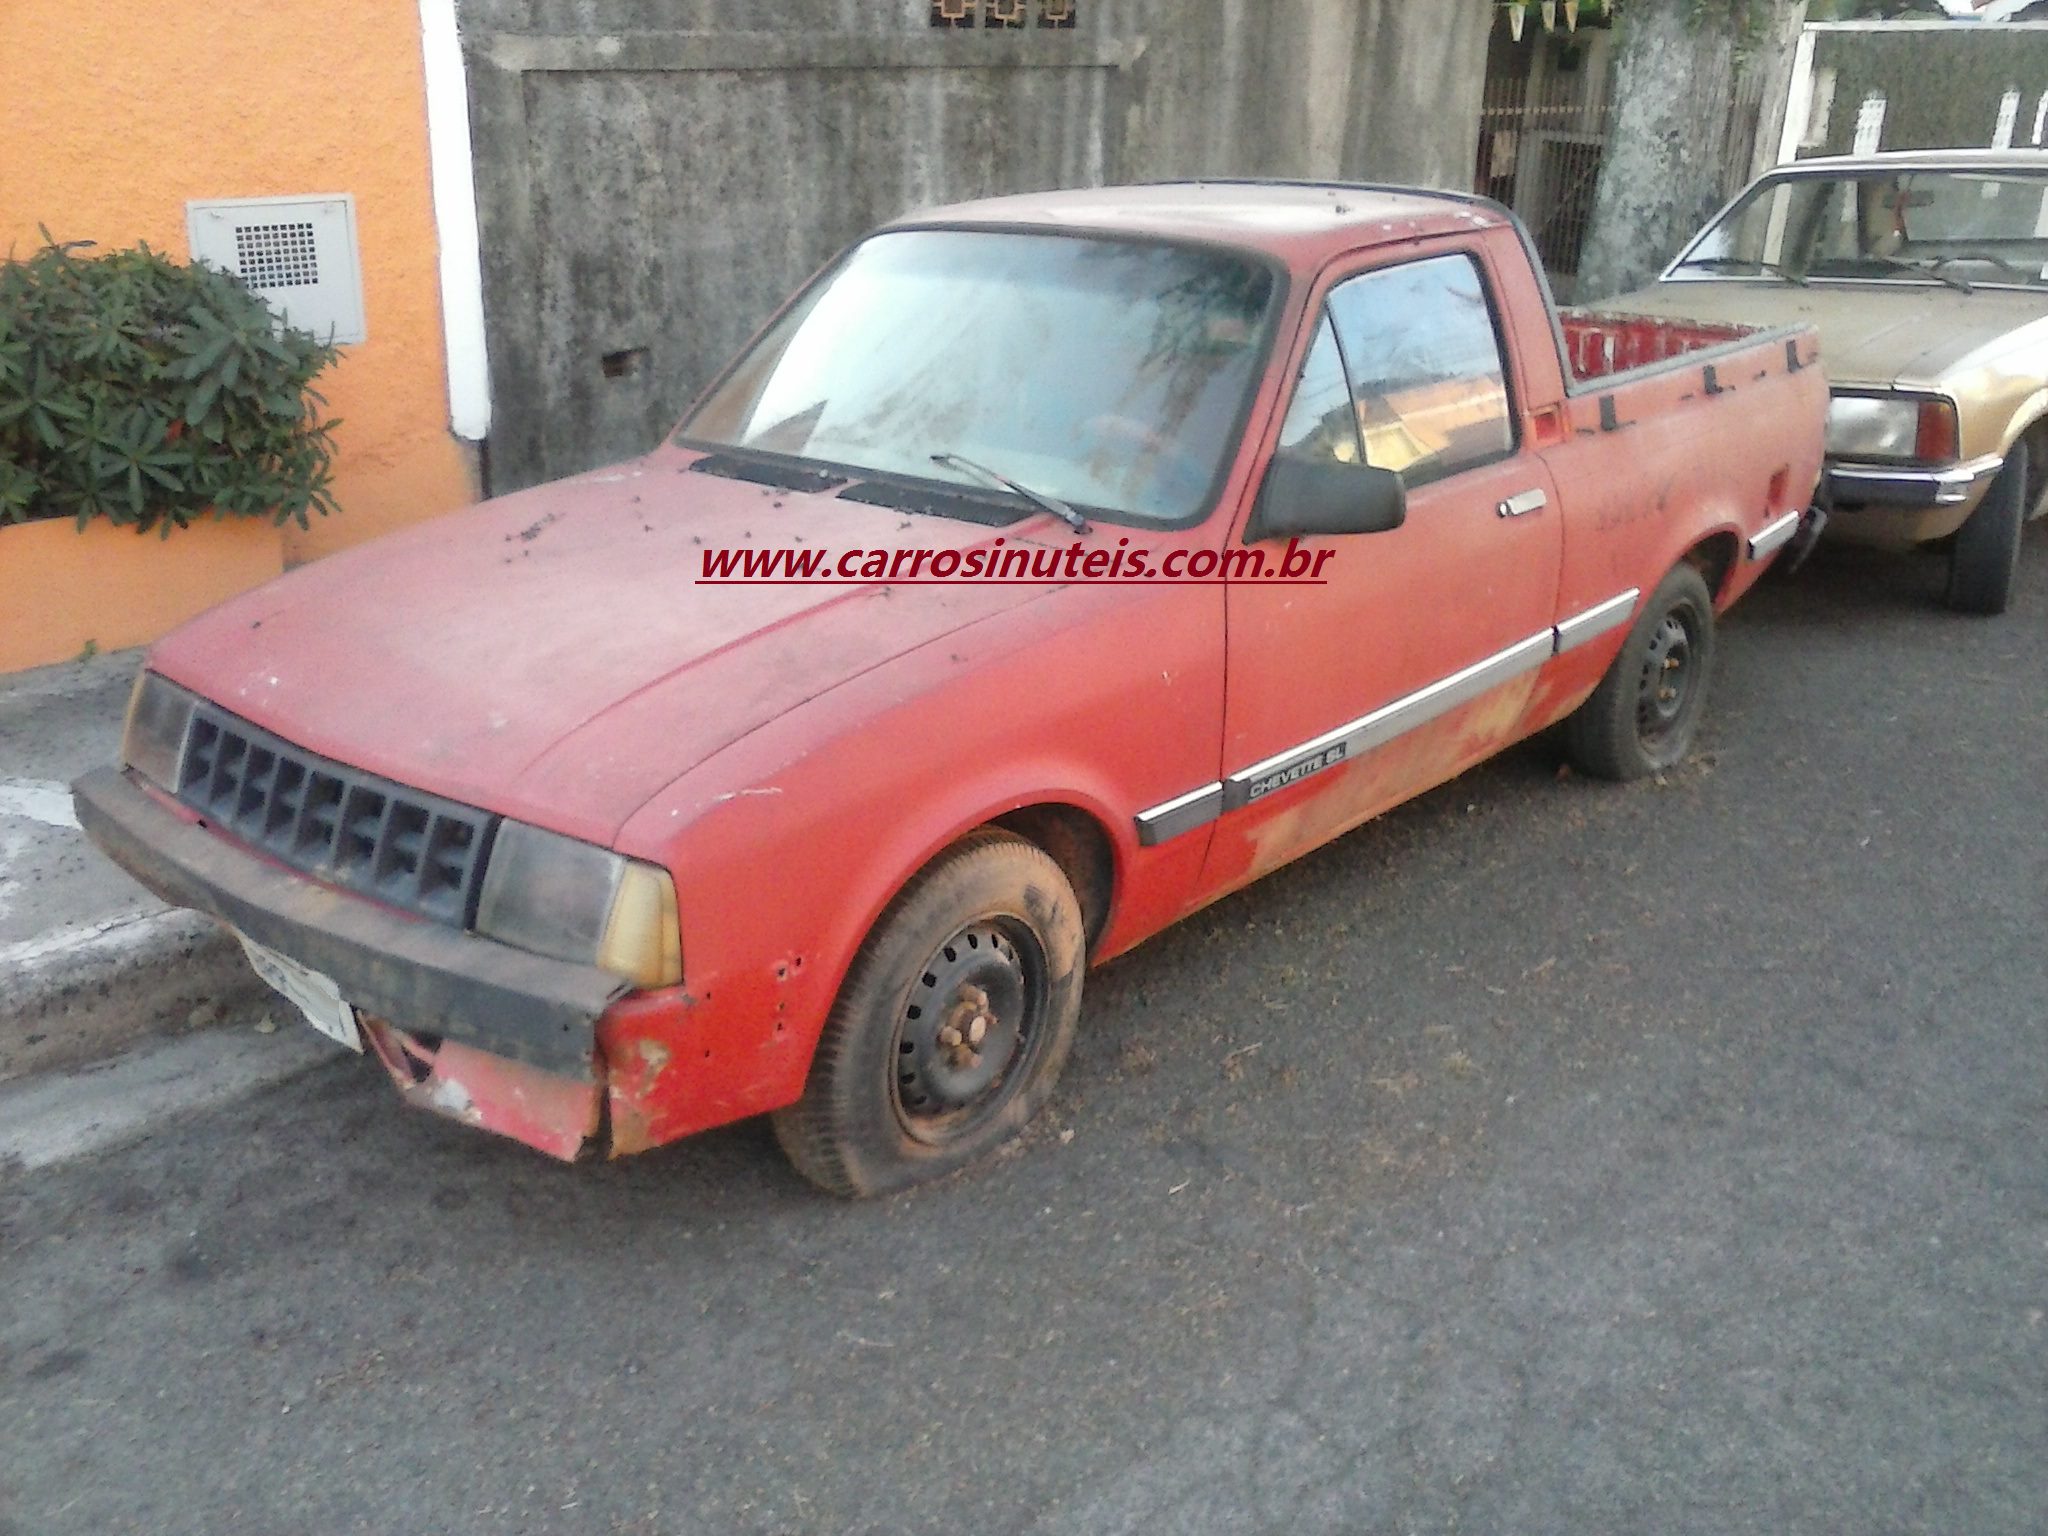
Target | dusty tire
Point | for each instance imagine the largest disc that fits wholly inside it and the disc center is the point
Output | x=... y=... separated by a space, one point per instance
x=986 y=942
x=1984 y=560
x=1642 y=718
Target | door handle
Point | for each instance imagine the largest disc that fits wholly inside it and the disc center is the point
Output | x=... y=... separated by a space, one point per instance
x=1522 y=505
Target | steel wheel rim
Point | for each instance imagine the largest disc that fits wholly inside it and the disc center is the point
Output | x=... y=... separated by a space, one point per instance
x=968 y=1031
x=1670 y=670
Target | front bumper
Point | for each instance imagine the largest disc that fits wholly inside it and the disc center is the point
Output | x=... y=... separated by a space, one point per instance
x=1886 y=485
x=438 y=980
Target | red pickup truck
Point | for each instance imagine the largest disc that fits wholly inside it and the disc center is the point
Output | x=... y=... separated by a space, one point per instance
x=1048 y=568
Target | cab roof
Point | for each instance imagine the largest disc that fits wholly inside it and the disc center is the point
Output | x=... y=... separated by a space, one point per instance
x=1293 y=220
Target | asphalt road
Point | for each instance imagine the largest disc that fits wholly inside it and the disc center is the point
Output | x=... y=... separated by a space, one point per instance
x=1546 y=1157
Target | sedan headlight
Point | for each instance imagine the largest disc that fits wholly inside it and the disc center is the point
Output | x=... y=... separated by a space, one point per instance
x=1900 y=427
x=153 y=741
x=576 y=901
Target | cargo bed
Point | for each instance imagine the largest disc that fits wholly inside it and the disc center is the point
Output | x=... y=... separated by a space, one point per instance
x=1599 y=345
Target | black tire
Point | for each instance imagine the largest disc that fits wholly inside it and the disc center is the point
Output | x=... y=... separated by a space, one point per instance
x=1984 y=560
x=987 y=941
x=1642 y=718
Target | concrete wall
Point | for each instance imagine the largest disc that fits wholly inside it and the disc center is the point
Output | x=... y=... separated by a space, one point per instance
x=111 y=116
x=654 y=176
x=1942 y=85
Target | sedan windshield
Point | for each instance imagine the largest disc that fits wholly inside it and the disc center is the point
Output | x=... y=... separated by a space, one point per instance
x=1105 y=373
x=1964 y=228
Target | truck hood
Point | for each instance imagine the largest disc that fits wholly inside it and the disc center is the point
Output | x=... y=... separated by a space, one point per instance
x=1869 y=333
x=550 y=655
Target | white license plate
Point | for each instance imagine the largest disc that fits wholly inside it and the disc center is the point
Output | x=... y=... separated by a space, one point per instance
x=317 y=995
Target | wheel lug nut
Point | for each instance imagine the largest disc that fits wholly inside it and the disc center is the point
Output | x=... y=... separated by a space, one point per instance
x=949 y=1036
x=978 y=1030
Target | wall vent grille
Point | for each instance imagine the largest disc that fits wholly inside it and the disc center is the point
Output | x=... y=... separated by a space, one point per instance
x=277 y=255
x=299 y=253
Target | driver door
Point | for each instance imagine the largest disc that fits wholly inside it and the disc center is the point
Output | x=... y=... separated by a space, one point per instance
x=1416 y=657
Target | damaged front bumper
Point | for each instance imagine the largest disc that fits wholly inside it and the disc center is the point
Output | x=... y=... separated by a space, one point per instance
x=494 y=1036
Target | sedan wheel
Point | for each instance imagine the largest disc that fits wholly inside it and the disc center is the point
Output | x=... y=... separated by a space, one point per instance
x=1984 y=560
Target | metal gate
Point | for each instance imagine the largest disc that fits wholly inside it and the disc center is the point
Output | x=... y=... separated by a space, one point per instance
x=1543 y=125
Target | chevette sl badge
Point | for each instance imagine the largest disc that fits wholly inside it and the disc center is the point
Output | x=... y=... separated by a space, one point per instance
x=1294 y=773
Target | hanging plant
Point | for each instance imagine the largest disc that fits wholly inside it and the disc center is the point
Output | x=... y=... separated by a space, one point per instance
x=1749 y=18
x=1518 y=13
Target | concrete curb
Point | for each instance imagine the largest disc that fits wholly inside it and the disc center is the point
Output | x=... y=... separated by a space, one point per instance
x=58 y=1117
x=84 y=993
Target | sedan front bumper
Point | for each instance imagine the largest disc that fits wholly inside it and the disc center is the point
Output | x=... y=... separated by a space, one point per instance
x=1887 y=485
x=437 y=980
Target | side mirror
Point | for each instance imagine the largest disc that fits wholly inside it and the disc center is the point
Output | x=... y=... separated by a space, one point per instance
x=1315 y=497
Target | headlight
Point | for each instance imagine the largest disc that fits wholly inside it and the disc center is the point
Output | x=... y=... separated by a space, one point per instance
x=1892 y=427
x=153 y=741
x=576 y=901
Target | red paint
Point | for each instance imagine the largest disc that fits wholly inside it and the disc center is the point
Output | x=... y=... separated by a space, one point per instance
x=795 y=754
x=555 y=1114
x=1599 y=345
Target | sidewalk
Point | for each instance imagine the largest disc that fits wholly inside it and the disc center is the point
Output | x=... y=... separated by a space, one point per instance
x=89 y=962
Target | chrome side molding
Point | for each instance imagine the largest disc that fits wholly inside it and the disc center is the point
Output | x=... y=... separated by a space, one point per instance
x=1381 y=726
x=1596 y=620
x=1283 y=770
x=1772 y=535
x=1183 y=813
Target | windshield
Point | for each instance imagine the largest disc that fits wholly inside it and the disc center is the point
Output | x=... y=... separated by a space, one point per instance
x=1105 y=373
x=1965 y=227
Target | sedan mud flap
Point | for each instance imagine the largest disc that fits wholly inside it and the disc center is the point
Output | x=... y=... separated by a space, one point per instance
x=1806 y=537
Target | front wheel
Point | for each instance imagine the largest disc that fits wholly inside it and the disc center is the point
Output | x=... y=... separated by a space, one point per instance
x=1984 y=560
x=1643 y=717
x=952 y=1027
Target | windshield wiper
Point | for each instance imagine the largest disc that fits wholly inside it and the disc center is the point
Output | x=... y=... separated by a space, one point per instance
x=1929 y=268
x=1993 y=257
x=1052 y=504
x=1724 y=263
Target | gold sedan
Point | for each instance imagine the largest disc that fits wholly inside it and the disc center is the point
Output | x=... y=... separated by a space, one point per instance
x=1927 y=274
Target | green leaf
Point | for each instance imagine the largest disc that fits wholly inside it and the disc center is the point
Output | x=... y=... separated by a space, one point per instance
x=202 y=400
x=149 y=393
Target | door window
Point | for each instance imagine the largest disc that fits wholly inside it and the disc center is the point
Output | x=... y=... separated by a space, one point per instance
x=1423 y=357
x=1321 y=424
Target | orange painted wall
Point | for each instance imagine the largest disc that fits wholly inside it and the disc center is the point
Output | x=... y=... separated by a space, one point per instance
x=112 y=114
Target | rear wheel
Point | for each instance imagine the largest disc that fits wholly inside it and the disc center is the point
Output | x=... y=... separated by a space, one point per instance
x=1984 y=560
x=952 y=1026
x=1644 y=715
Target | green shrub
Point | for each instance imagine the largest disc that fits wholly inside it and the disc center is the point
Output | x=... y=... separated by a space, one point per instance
x=152 y=394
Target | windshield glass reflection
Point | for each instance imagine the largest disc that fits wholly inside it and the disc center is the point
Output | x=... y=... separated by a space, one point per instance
x=1966 y=228
x=1105 y=373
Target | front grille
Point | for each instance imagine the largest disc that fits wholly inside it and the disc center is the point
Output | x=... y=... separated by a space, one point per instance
x=403 y=847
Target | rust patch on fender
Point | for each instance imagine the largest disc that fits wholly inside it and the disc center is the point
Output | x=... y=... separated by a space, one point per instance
x=1391 y=774
x=636 y=1083
x=680 y=1064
